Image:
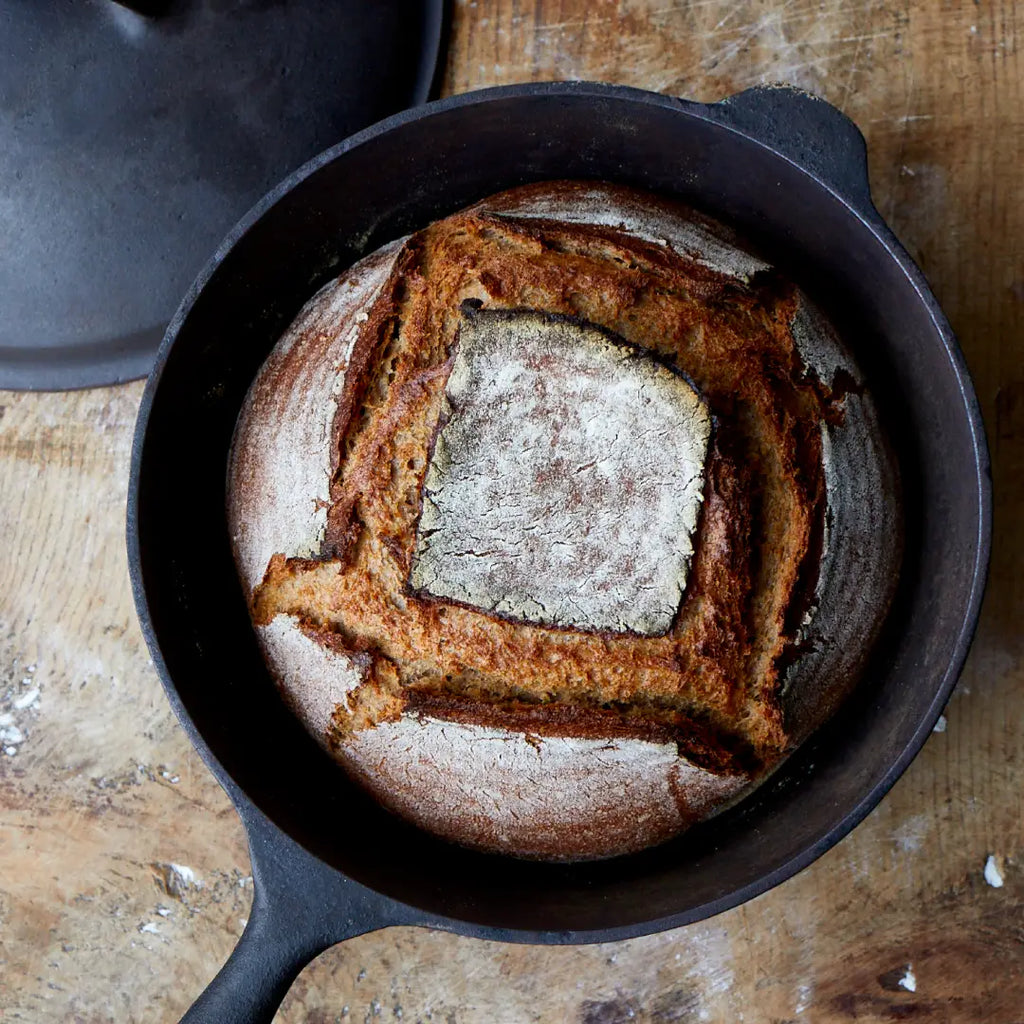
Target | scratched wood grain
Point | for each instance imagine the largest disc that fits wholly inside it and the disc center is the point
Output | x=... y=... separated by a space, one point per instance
x=124 y=879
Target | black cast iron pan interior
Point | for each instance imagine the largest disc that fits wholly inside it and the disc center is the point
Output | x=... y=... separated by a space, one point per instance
x=785 y=169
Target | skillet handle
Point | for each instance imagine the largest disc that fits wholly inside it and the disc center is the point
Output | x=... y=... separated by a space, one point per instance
x=808 y=131
x=249 y=988
x=300 y=908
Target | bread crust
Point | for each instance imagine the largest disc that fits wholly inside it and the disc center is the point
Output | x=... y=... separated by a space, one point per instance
x=527 y=391
x=282 y=457
x=567 y=797
x=568 y=780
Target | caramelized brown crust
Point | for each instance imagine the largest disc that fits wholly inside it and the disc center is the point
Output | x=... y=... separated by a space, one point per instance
x=711 y=683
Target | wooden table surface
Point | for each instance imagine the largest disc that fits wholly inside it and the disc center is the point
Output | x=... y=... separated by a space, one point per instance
x=124 y=879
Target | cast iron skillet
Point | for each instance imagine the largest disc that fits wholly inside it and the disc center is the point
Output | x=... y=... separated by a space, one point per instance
x=787 y=170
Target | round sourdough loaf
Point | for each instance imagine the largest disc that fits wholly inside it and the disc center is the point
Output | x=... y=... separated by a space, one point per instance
x=562 y=521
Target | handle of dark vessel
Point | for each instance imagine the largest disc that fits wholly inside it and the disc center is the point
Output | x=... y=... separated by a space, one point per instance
x=300 y=908
x=809 y=131
x=249 y=988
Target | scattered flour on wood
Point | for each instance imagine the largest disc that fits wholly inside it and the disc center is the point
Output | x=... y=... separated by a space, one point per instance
x=27 y=699
x=186 y=874
x=177 y=879
x=993 y=872
x=911 y=834
x=12 y=733
x=909 y=980
x=804 y=996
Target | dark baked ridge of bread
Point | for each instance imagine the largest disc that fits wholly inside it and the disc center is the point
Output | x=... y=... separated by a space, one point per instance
x=715 y=674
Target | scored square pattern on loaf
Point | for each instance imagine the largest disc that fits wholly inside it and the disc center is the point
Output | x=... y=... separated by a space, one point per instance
x=565 y=484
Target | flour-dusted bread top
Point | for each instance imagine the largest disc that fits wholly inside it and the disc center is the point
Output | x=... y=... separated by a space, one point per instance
x=497 y=789
x=636 y=214
x=282 y=458
x=559 y=448
x=610 y=705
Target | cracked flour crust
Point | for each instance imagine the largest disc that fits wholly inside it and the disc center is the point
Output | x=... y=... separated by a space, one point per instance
x=561 y=447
